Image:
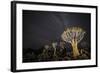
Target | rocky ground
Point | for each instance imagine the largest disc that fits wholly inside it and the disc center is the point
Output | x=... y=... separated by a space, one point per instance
x=48 y=55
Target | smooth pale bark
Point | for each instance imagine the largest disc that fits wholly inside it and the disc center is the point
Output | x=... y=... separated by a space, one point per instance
x=54 y=51
x=54 y=46
x=75 y=48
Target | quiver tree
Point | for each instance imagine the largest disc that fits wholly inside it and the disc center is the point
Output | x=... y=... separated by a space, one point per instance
x=73 y=35
x=54 y=45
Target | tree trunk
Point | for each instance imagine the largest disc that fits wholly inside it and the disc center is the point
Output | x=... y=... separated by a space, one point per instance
x=54 y=51
x=75 y=49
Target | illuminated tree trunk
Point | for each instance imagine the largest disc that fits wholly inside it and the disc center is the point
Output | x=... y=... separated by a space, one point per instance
x=75 y=49
x=54 y=44
x=54 y=51
x=73 y=35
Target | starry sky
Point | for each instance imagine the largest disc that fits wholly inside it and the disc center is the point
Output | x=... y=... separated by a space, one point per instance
x=43 y=27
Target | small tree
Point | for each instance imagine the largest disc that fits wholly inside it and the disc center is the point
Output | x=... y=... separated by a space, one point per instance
x=73 y=35
x=54 y=45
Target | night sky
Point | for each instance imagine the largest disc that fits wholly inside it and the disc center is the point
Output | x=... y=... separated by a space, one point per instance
x=42 y=27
